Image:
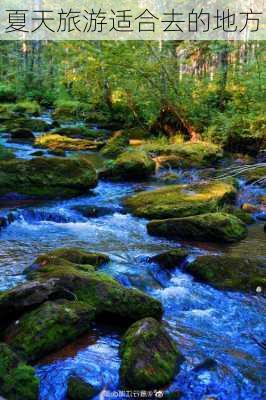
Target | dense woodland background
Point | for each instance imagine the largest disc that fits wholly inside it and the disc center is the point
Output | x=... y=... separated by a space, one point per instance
x=215 y=90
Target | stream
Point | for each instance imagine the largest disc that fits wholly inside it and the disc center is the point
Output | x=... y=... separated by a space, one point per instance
x=206 y=323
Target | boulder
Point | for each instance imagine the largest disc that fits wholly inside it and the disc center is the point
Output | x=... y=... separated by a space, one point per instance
x=131 y=165
x=111 y=300
x=81 y=132
x=47 y=177
x=150 y=358
x=80 y=390
x=229 y=272
x=171 y=259
x=33 y=124
x=22 y=134
x=38 y=153
x=25 y=297
x=58 y=142
x=93 y=211
x=49 y=328
x=243 y=215
x=249 y=208
x=115 y=146
x=216 y=227
x=17 y=380
x=176 y=201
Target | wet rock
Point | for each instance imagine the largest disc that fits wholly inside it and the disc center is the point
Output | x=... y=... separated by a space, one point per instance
x=150 y=358
x=208 y=364
x=115 y=146
x=22 y=133
x=215 y=227
x=249 y=208
x=171 y=259
x=131 y=165
x=57 y=152
x=25 y=297
x=113 y=302
x=49 y=328
x=93 y=211
x=17 y=380
x=80 y=390
x=255 y=174
x=176 y=201
x=244 y=216
x=229 y=272
x=38 y=153
x=47 y=177
x=7 y=220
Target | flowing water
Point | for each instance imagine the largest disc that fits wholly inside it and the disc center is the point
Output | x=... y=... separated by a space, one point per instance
x=206 y=323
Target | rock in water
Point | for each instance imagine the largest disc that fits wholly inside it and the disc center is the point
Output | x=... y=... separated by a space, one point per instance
x=216 y=227
x=170 y=259
x=48 y=328
x=79 y=390
x=47 y=177
x=228 y=272
x=177 y=201
x=22 y=133
x=150 y=358
x=131 y=165
x=17 y=380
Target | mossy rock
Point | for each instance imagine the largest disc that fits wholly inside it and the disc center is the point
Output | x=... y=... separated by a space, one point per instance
x=115 y=146
x=35 y=125
x=49 y=328
x=58 y=142
x=184 y=154
x=171 y=259
x=244 y=216
x=229 y=272
x=79 y=390
x=69 y=110
x=215 y=227
x=132 y=165
x=28 y=107
x=111 y=300
x=176 y=201
x=17 y=380
x=47 y=177
x=22 y=134
x=75 y=256
x=80 y=132
x=150 y=358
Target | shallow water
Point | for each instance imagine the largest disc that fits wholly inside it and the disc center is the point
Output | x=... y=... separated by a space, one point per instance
x=205 y=322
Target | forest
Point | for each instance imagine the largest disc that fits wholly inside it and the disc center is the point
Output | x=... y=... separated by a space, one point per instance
x=132 y=220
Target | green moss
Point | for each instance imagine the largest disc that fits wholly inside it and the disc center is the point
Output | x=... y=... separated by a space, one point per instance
x=115 y=146
x=48 y=328
x=215 y=227
x=6 y=154
x=68 y=110
x=229 y=272
x=181 y=200
x=79 y=390
x=150 y=358
x=17 y=380
x=47 y=177
x=7 y=94
x=132 y=165
x=244 y=216
x=80 y=132
x=58 y=142
x=35 y=125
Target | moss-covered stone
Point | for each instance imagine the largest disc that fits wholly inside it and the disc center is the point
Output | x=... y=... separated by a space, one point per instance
x=17 y=380
x=239 y=213
x=47 y=177
x=79 y=390
x=184 y=154
x=150 y=358
x=28 y=107
x=6 y=154
x=216 y=227
x=115 y=146
x=48 y=328
x=21 y=134
x=132 y=165
x=75 y=256
x=176 y=201
x=81 y=132
x=58 y=142
x=229 y=272
x=111 y=300
x=35 y=125
x=171 y=259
